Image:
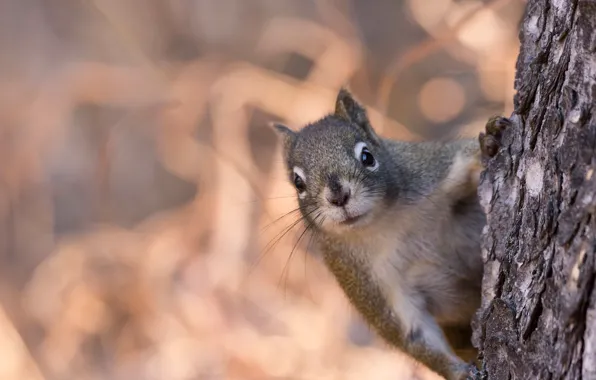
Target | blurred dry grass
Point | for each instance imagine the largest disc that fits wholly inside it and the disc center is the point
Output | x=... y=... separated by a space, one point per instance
x=137 y=175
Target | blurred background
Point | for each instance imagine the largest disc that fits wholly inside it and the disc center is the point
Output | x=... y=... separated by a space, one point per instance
x=141 y=189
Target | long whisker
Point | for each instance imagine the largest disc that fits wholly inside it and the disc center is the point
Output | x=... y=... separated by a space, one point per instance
x=276 y=239
x=308 y=226
x=286 y=230
x=286 y=266
x=273 y=242
x=314 y=234
x=278 y=219
x=271 y=198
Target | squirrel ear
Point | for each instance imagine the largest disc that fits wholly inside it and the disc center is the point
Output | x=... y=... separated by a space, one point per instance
x=286 y=134
x=341 y=110
x=347 y=108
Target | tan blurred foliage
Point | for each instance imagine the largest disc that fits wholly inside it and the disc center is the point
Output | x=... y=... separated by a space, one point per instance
x=141 y=190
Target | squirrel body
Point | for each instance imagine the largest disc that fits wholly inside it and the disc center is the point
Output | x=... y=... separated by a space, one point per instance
x=398 y=224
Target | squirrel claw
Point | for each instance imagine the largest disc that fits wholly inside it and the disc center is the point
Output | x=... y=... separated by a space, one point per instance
x=490 y=142
x=468 y=371
x=465 y=371
x=473 y=372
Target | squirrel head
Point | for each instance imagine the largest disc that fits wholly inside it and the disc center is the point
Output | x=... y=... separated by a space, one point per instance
x=339 y=168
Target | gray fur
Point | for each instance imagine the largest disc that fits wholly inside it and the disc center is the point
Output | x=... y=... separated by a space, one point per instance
x=414 y=263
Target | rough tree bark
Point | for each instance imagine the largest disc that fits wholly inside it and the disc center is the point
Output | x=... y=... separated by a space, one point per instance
x=538 y=316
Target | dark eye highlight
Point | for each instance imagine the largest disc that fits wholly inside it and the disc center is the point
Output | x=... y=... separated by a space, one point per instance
x=367 y=158
x=299 y=183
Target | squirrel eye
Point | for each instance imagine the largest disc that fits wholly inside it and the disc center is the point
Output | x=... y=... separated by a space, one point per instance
x=299 y=183
x=367 y=158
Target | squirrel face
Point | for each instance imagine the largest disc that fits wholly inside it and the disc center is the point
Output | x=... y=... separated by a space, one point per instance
x=338 y=167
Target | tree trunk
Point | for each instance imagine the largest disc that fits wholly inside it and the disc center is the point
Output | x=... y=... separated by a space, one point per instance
x=538 y=315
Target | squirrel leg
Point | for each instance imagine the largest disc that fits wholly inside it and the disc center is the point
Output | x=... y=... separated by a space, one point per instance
x=462 y=178
x=464 y=174
x=426 y=343
x=459 y=337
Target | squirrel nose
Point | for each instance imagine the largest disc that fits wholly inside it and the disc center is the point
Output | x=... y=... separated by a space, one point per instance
x=339 y=197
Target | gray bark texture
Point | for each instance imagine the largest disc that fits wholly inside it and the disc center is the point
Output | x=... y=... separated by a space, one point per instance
x=538 y=314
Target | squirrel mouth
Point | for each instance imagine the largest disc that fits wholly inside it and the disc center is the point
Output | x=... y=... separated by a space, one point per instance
x=349 y=220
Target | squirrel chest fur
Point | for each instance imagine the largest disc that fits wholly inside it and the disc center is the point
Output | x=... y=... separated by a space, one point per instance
x=398 y=224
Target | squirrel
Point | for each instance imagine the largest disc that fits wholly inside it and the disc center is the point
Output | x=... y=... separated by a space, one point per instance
x=398 y=225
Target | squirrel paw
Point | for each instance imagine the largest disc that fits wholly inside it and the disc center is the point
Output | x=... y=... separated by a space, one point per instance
x=490 y=142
